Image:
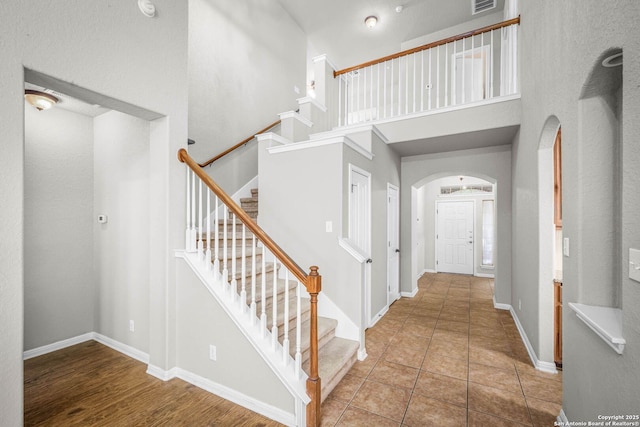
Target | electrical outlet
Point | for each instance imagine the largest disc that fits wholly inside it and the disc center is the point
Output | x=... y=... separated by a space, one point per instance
x=328 y=226
x=519 y=304
x=132 y=326
x=212 y=352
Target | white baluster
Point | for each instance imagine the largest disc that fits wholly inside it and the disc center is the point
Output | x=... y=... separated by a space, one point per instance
x=347 y=88
x=438 y=76
x=285 y=341
x=364 y=92
x=473 y=79
x=243 y=279
x=207 y=255
x=274 y=304
x=234 y=260
x=446 y=74
x=201 y=240
x=406 y=85
x=464 y=67
x=187 y=234
x=298 y=331
x=378 y=93
x=485 y=91
x=392 y=87
x=263 y=315
x=225 y=268
x=194 y=230
x=491 y=68
x=454 y=70
x=340 y=101
x=371 y=93
x=216 y=227
x=399 y=111
x=422 y=80
x=430 y=83
x=253 y=278
x=384 y=95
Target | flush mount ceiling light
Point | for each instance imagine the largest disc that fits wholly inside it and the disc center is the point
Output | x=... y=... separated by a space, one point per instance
x=370 y=21
x=40 y=100
x=613 y=60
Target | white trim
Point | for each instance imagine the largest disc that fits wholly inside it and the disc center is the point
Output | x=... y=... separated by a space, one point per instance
x=312 y=101
x=441 y=110
x=378 y=316
x=237 y=397
x=319 y=143
x=562 y=419
x=297 y=116
x=355 y=129
x=323 y=57
x=487 y=275
x=160 y=373
x=58 y=345
x=486 y=266
x=347 y=245
x=362 y=354
x=409 y=294
x=500 y=306
x=427 y=270
x=132 y=352
x=270 y=136
x=606 y=322
x=538 y=364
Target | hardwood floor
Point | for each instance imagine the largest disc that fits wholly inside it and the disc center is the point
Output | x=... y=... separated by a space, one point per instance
x=90 y=384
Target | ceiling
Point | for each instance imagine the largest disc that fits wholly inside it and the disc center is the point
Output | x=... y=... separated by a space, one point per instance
x=336 y=27
x=69 y=103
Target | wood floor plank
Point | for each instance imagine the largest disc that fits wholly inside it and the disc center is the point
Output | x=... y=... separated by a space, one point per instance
x=90 y=384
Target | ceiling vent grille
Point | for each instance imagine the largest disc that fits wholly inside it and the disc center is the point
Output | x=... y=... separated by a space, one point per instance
x=478 y=6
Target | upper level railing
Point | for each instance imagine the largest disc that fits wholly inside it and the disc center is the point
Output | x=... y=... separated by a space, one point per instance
x=238 y=145
x=233 y=250
x=470 y=67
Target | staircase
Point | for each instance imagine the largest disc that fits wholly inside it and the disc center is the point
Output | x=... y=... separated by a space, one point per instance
x=246 y=264
x=336 y=355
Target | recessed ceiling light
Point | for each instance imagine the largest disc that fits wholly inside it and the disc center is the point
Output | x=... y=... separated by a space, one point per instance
x=399 y=8
x=371 y=21
x=40 y=100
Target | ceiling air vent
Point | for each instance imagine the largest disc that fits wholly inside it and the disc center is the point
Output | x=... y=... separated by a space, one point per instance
x=478 y=6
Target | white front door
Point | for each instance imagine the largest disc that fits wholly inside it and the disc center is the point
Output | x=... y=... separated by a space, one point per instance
x=393 y=243
x=454 y=237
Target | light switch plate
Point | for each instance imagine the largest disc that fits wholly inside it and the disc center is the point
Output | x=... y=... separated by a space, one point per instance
x=634 y=264
x=565 y=246
x=328 y=226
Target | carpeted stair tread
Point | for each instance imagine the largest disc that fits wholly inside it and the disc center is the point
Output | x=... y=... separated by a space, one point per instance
x=335 y=358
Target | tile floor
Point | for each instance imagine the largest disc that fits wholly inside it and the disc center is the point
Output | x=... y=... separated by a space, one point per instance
x=445 y=358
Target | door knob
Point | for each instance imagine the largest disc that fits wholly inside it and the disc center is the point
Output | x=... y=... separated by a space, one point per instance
x=397 y=251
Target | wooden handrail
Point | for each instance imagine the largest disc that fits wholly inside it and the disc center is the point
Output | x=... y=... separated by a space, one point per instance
x=239 y=144
x=430 y=45
x=260 y=234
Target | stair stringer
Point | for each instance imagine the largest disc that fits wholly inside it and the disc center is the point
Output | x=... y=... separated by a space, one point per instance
x=296 y=385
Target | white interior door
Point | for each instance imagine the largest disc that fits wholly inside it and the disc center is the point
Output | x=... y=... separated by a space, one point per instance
x=454 y=237
x=393 y=243
x=359 y=226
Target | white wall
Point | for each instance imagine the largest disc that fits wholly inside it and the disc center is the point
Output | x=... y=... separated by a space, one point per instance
x=492 y=163
x=58 y=228
x=121 y=191
x=245 y=57
x=113 y=50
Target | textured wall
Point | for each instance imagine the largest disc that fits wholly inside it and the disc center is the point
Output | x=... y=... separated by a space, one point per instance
x=58 y=226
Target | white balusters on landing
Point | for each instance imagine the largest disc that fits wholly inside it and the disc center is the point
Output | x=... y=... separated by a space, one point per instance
x=216 y=227
x=207 y=254
x=234 y=283
x=298 y=356
x=243 y=279
x=456 y=73
x=253 y=279
x=285 y=341
x=274 y=303
x=263 y=277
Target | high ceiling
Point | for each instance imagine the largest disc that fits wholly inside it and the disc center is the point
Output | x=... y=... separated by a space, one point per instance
x=336 y=27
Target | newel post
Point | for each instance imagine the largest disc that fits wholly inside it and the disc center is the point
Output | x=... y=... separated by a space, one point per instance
x=314 y=285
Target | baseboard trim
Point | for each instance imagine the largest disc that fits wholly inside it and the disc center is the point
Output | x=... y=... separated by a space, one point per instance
x=59 y=345
x=160 y=373
x=132 y=352
x=562 y=419
x=485 y=275
x=500 y=306
x=378 y=316
x=428 y=270
x=540 y=365
x=409 y=294
x=236 y=397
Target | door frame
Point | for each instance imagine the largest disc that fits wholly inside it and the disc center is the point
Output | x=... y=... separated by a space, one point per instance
x=391 y=295
x=366 y=298
x=473 y=250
